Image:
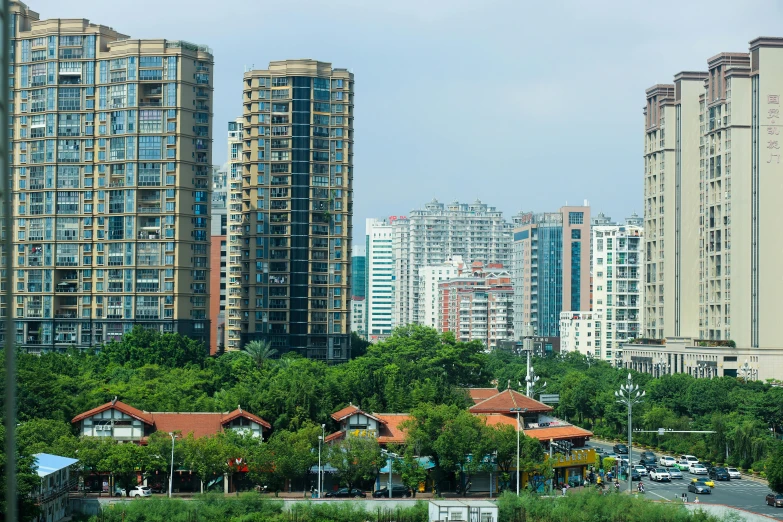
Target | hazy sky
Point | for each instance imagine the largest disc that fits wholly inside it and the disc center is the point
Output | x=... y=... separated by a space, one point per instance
x=525 y=105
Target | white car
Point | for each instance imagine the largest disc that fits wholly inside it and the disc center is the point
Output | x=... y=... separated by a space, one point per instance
x=660 y=475
x=641 y=470
x=140 y=491
x=697 y=469
x=734 y=473
x=690 y=458
x=667 y=461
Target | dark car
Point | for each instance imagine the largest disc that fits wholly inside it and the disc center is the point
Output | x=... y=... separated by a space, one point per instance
x=398 y=491
x=647 y=458
x=635 y=475
x=718 y=474
x=699 y=488
x=346 y=493
x=775 y=500
x=620 y=449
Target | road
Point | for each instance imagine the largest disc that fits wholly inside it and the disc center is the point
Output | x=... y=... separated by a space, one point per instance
x=743 y=493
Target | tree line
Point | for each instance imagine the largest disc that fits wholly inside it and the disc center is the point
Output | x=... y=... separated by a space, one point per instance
x=416 y=370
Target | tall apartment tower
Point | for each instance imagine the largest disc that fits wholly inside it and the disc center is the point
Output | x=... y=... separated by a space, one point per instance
x=290 y=218
x=380 y=279
x=432 y=235
x=712 y=211
x=551 y=269
x=618 y=275
x=111 y=170
x=672 y=207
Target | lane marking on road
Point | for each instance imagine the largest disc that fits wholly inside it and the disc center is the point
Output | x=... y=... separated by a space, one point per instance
x=660 y=496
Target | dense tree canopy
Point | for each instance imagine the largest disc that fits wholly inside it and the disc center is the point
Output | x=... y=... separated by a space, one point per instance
x=416 y=370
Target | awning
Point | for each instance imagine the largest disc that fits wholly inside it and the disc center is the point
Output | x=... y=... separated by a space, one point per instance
x=424 y=462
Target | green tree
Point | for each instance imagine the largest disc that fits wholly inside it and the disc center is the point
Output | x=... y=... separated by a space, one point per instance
x=159 y=455
x=260 y=352
x=27 y=483
x=46 y=436
x=143 y=346
x=358 y=345
x=293 y=453
x=464 y=446
x=775 y=468
x=409 y=466
x=355 y=459
x=504 y=442
x=125 y=462
x=207 y=456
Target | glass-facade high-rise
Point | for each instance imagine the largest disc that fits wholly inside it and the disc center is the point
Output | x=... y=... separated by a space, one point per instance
x=111 y=165
x=290 y=213
x=359 y=276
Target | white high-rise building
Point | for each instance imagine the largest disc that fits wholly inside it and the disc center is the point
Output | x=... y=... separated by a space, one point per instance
x=429 y=277
x=380 y=279
x=618 y=279
x=476 y=232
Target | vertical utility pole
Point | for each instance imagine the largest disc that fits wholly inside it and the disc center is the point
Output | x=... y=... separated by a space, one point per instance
x=10 y=355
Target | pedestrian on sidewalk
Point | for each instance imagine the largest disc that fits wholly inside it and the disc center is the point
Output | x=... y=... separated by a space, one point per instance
x=565 y=488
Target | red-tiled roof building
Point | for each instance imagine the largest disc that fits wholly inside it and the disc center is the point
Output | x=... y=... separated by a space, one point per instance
x=123 y=422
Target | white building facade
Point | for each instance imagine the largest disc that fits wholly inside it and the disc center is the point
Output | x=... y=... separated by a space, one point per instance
x=581 y=332
x=432 y=235
x=358 y=315
x=429 y=277
x=380 y=279
x=618 y=279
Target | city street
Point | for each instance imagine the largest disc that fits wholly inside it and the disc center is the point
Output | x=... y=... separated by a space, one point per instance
x=743 y=493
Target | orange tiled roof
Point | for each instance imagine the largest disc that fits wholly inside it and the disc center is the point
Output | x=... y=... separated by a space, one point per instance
x=390 y=432
x=480 y=394
x=504 y=401
x=557 y=433
x=119 y=406
x=334 y=436
x=350 y=410
x=199 y=423
x=240 y=413
x=496 y=419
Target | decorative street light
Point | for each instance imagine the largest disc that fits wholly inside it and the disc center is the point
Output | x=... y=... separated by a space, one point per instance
x=321 y=439
x=704 y=370
x=629 y=395
x=747 y=372
x=171 y=475
x=518 y=411
x=661 y=366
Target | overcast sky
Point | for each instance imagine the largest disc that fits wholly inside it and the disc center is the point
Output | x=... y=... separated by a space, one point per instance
x=525 y=105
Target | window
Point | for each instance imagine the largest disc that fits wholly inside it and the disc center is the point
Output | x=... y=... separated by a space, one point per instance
x=69 y=99
x=151 y=121
x=576 y=218
x=150 y=61
x=576 y=233
x=149 y=147
x=151 y=74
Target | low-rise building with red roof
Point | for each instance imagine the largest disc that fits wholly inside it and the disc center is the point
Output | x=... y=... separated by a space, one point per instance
x=123 y=422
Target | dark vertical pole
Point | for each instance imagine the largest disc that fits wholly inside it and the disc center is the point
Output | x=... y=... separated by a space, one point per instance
x=10 y=356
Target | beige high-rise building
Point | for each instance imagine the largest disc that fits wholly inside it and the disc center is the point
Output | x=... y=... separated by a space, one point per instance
x=290 y=220
x=111 y=165
x=712 y=205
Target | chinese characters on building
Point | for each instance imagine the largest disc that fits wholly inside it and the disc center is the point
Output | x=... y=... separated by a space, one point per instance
x=773 y=128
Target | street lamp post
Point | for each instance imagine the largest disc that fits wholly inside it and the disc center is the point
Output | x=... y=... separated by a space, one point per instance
x=171 y=475
x=629 y=395
x=747 y=372
x=321 y=439
x=518 y=411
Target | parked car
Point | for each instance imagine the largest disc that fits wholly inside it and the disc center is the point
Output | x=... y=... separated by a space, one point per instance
x=718 y=474
x=697 y=469
x=140 y=491
x=635 y=475
x=667 y=461
x=641 y=470
x=398 y=491
x=707 y=481
x=660 y=475
x=346 y=493
x=734 y=473
x=775 y=500
x=699 y=488
x=675 y=473
x=620 y=449
x=119 y=492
